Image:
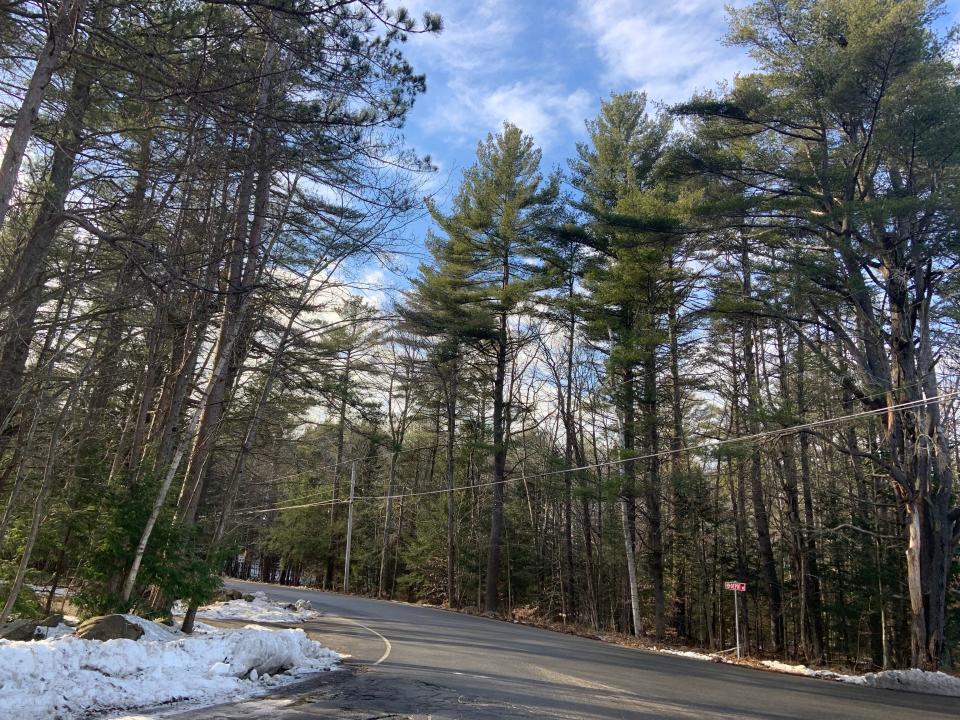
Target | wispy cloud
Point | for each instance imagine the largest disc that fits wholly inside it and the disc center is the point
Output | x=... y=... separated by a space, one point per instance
x=547 y=112
x=476 y=38
x=670 y=48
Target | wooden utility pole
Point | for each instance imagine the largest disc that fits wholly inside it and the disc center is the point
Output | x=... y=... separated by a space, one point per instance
x=346 y=562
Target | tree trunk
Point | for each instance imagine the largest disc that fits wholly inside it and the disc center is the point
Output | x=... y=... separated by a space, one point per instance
x=451 y=408
x=39 y=505
x=813 y=605
x=500 y=407
x=767 y=560
x=921 y=466
x=328 y=575
x=387 y=517
x=628 y=501
x=160 y=500
x=64 y=24
x=569 y=442
x=653 y=510
x=677 y=441
x=245 y=268
x=22 y=290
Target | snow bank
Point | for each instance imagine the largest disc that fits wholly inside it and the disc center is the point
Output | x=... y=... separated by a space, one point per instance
x=67 y=677
x=203 y=629
x=920 y=681
x=154 y=630
x=690 y=654
x=260 y=610
x=932 y=683
x=797 y=669
x=151 y=630
x=60 y=630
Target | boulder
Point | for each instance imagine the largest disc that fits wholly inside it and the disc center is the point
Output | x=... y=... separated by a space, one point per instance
x=18 y=630
x=227 y=594
x=247 y=597
x=51 y=620
x=109 y=627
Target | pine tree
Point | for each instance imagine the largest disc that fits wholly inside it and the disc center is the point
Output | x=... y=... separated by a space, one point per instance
x=442 y=310
x=630 y=230
x=500 y=216
x=838 y=149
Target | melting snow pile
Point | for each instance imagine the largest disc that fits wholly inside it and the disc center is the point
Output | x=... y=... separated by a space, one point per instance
x=921 y=681
x=800 y=670
x=68 y=677
x=50 y=633
x=690 y=654
x=258 y=610
x=933 y=683
x=154 y=630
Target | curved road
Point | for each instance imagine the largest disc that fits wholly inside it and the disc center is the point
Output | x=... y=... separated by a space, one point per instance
x=410 y=662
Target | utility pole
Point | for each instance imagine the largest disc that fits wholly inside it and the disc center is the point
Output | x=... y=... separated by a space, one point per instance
x=346 y=562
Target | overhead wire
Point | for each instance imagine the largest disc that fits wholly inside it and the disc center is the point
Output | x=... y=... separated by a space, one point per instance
x=348 y=461
x=775 y=433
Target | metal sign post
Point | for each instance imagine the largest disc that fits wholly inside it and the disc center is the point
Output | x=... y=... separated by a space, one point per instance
x=736 y=622
x=736 y=587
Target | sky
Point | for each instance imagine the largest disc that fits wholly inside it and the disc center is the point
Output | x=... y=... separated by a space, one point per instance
x=545 y=65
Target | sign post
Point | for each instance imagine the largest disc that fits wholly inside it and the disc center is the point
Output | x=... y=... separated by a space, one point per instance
x=736 y=587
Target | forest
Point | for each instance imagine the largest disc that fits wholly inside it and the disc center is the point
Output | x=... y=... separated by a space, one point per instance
x=720 y=344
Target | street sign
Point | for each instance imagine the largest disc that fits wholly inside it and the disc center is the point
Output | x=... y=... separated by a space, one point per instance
x=737 y=587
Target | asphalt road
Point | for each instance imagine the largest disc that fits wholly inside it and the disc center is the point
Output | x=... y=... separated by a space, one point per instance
x=414 y=663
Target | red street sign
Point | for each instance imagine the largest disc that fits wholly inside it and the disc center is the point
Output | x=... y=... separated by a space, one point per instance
x=735 y=586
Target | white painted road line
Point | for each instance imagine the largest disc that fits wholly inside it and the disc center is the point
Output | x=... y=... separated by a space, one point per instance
x=386 y=643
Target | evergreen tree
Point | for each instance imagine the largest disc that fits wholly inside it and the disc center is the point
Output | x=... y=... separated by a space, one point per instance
x=441 y=309
x=842 y=149
x=629 y=230
x=499 y=219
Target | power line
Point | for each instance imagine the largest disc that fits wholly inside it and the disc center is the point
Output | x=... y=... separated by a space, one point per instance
x=373 y=456
x=780 y=432
x=348 y=461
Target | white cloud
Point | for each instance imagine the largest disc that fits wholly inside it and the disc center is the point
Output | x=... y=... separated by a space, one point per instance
x=670 y=48
x=540 y=111
x=372 y=286
x=475 y=34
x=546 y=112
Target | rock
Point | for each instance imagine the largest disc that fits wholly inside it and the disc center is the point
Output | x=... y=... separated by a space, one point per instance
x=18 y=630
x=247 y=597
x=290 y=606
x=227 y=594
x=51 y=620
x=109 y=627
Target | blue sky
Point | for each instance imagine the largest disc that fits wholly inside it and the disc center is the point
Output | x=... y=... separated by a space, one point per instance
x=546 y=65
